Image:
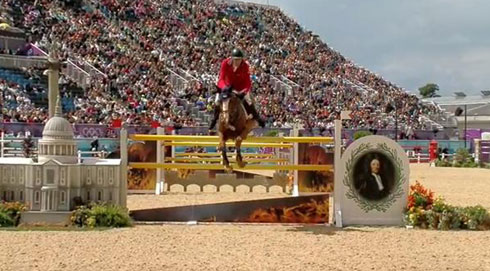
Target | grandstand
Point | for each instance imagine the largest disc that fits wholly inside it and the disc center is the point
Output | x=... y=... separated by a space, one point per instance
x=147 y=62
x=452 y=110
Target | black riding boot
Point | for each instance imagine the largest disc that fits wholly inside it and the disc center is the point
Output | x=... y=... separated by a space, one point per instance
x=215 y=117
x=251 y=110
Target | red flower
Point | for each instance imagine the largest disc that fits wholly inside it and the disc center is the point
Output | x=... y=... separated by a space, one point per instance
x=420 y=197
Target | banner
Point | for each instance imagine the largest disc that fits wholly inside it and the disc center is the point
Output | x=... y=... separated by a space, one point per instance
x=302 y=209
x=142 y=179
x=315 y=181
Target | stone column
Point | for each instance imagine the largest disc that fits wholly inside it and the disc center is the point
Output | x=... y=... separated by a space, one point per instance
x=53 y=77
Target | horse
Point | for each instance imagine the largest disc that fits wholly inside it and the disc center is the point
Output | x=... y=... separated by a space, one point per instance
x=234 y=123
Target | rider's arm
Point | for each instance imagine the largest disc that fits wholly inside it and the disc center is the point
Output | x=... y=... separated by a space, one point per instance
x=247 y=80
x=222 y=76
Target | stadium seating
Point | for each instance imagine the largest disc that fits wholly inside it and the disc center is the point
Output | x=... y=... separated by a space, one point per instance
x=162 y=57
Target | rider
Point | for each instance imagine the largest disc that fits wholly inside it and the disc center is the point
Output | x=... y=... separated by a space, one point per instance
x=235 y=75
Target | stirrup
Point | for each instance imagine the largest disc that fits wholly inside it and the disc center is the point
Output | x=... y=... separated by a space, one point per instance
x=231 y=127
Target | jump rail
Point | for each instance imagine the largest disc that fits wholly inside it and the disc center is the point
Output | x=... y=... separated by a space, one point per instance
x=221 y=167
x=216 y=154
x=265 y=139
x=230 y=144
x=203 y=159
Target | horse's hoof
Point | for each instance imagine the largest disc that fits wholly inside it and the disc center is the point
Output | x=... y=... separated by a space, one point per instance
x=241 y=164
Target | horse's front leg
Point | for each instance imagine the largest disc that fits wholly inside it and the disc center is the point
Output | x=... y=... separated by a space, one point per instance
x=226 y=113
x=222 y=145
x=239 y=158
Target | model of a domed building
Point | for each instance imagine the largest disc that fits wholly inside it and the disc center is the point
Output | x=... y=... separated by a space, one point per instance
x=58 y=180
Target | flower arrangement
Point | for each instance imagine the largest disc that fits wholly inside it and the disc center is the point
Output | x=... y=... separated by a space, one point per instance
x=10 y=213
x=100 y=215
x=426 y=212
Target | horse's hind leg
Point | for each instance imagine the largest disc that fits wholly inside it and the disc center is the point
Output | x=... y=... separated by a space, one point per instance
x=239 y=158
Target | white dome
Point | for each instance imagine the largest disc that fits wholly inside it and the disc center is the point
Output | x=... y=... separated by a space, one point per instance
x=58 y=128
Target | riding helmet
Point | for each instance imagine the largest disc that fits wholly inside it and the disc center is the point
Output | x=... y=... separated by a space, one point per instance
x=237 y=53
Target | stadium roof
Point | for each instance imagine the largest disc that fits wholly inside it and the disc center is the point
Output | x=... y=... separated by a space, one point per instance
x=461 y=99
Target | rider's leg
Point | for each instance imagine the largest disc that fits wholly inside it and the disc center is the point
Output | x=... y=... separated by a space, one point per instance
x=217 y=108
x=249 y=106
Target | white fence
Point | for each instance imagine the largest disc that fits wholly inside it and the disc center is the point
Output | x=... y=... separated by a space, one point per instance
x=8 y=151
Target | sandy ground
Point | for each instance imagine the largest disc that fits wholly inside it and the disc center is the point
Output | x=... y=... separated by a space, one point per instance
x=262 y=247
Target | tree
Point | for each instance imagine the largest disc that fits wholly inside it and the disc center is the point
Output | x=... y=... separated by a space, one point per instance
x=429 y=91
x=360 y=134
x=28 y=146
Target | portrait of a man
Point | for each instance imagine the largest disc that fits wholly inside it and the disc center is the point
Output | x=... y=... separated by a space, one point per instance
x=374 y=176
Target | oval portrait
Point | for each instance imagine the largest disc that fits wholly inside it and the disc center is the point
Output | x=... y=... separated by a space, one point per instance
x=374 y=176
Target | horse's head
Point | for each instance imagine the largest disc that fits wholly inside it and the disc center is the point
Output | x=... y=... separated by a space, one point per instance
x=231 y=109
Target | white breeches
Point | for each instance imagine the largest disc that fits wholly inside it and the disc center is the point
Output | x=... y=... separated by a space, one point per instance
x=247 y=98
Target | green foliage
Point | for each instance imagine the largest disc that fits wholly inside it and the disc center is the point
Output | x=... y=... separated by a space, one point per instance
x=80 y=216
x=443 y=216
x=462 y=158
x=272 y=133
x=101 y=215
x=12 y=210
x=429 y=90
x=443 y=163
x=476 y=217
x=360 y=134
x=6 y=220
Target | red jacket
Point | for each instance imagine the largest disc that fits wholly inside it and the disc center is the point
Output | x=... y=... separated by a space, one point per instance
x=238 y=80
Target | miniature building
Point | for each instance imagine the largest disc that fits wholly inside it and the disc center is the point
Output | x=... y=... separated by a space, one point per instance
x=56 y=179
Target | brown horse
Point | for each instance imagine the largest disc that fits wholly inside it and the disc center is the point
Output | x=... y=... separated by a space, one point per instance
x=235 y=124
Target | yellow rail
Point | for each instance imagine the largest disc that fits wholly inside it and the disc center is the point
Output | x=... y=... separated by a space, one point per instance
x=229 y=144
x=264 y=139
x=221 y=167
x=217 y=154
x=252 y=160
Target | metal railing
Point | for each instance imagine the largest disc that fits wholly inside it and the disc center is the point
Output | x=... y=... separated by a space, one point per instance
x=188 y=76
x=18 y=62
x=77 y=74
x=6 y=151
x=93 y=71
x=99 y=155
x=244 y=3
x=11 y=43
x=279 y=85
x=177 y=81
x=72 y=70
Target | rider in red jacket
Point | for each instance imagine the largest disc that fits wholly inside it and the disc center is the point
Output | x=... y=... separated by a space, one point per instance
x=235 y=75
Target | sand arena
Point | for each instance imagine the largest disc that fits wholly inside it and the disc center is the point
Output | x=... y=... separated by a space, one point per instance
x=262 y=247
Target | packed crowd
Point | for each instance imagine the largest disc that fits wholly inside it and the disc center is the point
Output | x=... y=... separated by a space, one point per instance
x=137 y=43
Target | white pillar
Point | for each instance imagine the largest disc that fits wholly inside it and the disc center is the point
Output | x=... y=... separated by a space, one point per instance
x=337 y=174
x=477 y=153
x=43 y=200
x=295 y=155
x=123 y=186
x=160 y=159
x=2 y=146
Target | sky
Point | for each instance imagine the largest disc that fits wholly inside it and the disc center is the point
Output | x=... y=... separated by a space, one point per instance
x=407 y=42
